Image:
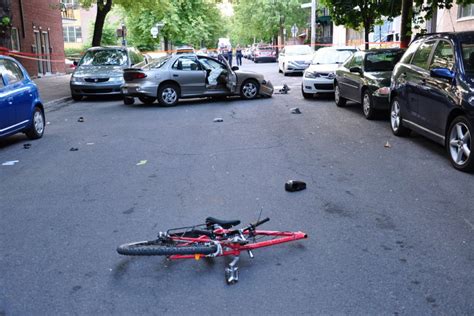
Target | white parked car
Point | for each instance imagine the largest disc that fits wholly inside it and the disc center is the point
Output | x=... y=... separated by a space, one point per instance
x=294 y=58
x=319 y=76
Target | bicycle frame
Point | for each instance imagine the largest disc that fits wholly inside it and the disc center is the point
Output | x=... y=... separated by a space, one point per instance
x=233 y=248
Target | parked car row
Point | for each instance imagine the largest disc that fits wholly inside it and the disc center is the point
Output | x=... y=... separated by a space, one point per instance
x=260 y=53
x=429 y=88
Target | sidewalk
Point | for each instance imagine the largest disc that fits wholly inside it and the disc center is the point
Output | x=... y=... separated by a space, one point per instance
x=54 y=89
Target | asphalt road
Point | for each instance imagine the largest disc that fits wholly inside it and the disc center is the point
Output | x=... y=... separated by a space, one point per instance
x=391 y=230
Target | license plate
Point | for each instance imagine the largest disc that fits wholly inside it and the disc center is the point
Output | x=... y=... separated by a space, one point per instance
x=124 y=90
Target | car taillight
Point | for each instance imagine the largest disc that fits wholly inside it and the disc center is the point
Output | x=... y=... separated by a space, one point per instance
x=130 y=76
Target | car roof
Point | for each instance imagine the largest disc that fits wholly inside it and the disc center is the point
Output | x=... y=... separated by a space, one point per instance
x=459 y=35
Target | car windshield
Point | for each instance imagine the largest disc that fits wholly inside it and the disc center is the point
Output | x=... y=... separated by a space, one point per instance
x=298 y=50
x=468 y=59
x=382 y=61
x=157 y=63
x=105 y=57
x=331 y=56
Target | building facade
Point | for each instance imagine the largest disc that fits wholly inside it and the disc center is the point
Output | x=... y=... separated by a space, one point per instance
x=77 y=23
x=36 y=36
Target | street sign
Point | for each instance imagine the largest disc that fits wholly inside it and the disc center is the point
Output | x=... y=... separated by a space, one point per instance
x=294 y=30
x=306 y=5
x=154 y=31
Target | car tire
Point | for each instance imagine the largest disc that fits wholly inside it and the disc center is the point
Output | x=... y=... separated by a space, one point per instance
x=396 y=122
x=36 y=129
x=147 y=100
x=249 y=89
x=459 y=144
x=279 y=70
x=340 y=101
x=76 y=97
x=306 y=95
x=368 y=106
x=128 y=100
x=168 y=94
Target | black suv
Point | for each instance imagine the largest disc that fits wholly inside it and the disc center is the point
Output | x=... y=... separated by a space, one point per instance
x=432 y=93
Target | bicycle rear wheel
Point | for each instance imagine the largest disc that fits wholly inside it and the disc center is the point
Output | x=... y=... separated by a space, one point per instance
x=158 y=248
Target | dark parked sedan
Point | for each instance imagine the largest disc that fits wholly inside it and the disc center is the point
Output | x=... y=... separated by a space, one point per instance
x=365 y=78
x=21 y=109
x=432 y=92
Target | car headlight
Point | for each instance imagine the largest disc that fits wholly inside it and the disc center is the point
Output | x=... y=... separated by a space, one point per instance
x=310 y=74
x=76 y=79
x=384 y=91
x=331 y=75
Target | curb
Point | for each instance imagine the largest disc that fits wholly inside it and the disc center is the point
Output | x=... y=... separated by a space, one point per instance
x=57 y=104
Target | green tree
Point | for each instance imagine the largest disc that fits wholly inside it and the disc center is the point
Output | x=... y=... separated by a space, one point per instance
x=362 y=14
x=266 y=19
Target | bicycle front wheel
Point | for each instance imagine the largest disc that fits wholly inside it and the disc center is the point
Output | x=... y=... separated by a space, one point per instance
x=157 y=248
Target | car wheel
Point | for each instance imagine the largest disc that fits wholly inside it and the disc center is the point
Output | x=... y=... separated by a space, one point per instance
x=367 y=106
x=340 y=101
x=36 y=129
x=147 y=100
x=459 y=144
x=396 y=122
x=168 y=94
x=306 y=95
x=128 y=100
x=76 y=97
x=249 y=89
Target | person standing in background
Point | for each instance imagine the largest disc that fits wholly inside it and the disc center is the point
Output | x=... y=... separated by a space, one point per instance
x=229 y=55
x=238 y=55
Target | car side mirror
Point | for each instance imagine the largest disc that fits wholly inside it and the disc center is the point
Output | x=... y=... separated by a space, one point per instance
x=443 y=73
x=75 y=63
x=235 y=68
x=356 y=69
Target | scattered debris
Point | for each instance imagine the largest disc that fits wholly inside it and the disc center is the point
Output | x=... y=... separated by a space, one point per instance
x=387 y=145
x=295 y=111
x=10 y=163
x=295 y=185
x=48 y=123
x=74 y=149
x=27 y=146
x=89 y=144
x=142 y=162
x=80 y=119
x=218 y=120
x=281 y=89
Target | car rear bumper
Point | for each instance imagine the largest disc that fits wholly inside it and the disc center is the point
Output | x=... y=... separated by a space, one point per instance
x=266 y=58
x=318 y=85
x=139 y=90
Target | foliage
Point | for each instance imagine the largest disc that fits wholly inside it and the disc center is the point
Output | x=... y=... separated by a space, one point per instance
x=260 y=20
x=362 y=14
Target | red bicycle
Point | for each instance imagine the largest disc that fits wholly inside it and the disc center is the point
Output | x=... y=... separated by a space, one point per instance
x=215 y=238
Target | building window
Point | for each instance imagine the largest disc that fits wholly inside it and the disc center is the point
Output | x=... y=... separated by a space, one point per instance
x=466 y=11
x=15 y=40
x=72 y=34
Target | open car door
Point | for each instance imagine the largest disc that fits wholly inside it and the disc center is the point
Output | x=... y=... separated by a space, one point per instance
x=231 y=78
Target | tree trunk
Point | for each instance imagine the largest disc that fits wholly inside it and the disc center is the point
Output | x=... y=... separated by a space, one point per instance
x=102 y=9
x=366 y=35
x=165 y=39
x=405 y=24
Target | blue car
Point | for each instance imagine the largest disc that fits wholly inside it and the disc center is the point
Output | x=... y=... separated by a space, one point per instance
x=21 y=109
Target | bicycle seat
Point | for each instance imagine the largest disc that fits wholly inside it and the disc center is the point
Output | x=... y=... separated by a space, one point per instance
x=222 y=223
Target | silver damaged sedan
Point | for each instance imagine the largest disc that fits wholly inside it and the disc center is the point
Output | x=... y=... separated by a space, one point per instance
x=171 y=78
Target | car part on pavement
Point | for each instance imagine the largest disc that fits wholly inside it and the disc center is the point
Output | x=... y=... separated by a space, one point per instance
x=295 y=185
x=10 y=163
x=295 y=111
x=80 y=119
x=73 y=149
x=218 y=120
x=387 y=145
x=27 y=146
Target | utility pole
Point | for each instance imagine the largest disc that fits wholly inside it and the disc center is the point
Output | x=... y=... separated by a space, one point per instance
x=313 y=23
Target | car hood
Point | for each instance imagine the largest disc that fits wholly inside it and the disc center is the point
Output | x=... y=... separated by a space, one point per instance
x=323 y=68
x=382 y=77
x=304 y=58
x=246 y=74
x=99 y=71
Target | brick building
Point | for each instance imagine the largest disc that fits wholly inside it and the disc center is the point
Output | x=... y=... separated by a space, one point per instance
x=37 y=35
